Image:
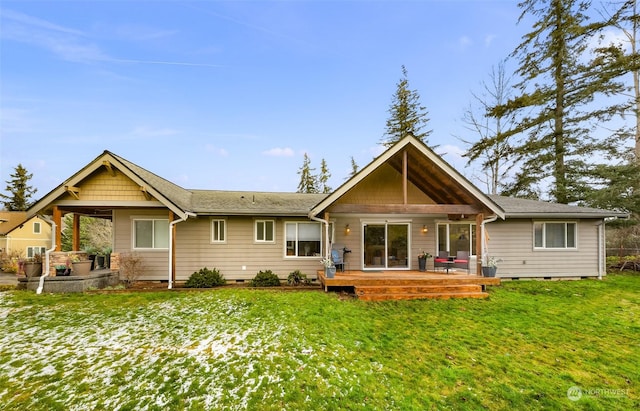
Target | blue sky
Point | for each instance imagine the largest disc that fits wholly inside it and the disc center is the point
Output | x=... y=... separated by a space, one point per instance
x=230 y=95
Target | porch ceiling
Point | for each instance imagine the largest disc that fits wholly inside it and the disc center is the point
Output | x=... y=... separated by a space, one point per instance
x=431 y=179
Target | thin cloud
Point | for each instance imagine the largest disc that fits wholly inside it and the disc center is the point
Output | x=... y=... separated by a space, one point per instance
x=488 y=40
x=279 y=152
x=210 y=148
x=464 y=42
x=147 y=132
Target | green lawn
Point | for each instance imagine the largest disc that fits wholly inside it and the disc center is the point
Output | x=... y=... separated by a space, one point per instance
x=523 y=348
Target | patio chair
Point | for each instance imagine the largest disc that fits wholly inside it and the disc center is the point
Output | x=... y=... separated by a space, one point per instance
x=441 y=260
x=462 y=260
x=338 y=260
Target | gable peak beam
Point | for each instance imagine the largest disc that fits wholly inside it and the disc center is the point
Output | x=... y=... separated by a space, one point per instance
x=74 y=191
x=109 y=167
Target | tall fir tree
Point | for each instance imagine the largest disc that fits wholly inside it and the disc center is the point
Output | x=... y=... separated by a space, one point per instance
x=324 y=177
x=308 y=180
x=354 y=168
x=407 y=115
x=19 y=189
x=557 y=114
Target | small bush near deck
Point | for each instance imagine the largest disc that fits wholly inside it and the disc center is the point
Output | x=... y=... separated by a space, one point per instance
x=265 y=279
x=298 y=278
x=131 y=268
x=205 y=278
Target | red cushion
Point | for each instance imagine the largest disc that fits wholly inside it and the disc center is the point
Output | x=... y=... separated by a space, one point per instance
x=460 y=261
x=441 y=260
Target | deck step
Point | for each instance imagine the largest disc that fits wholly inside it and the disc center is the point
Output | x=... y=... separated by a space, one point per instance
x=422 y=296
x=405 y=292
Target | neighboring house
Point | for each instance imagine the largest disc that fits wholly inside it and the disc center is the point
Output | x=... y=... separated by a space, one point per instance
x=24 y=235
x=405 y=201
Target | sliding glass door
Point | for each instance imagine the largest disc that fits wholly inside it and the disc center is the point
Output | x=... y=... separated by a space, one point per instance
x=386 y=246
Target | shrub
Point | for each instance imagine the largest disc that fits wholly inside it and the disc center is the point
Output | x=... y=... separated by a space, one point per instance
x=265 y=279
x=9 y=261
x=205 y=278
x=298 y=278
x=131 y=268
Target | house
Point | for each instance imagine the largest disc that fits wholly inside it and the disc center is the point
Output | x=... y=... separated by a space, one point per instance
x=407 y=200
x=25 y=236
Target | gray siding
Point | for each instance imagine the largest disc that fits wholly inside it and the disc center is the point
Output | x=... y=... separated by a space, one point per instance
x=240 y=257
x=156 y=262
x=512 y=241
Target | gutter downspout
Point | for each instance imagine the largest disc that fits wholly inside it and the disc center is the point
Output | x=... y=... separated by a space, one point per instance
x=47 y=255
x=171 y=225
x=326 y=232
x=482 y=233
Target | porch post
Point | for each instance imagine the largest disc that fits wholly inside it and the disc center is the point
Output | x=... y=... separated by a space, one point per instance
x=327 y=251
x=479 y=243
x=57 y=219
x=76 y=232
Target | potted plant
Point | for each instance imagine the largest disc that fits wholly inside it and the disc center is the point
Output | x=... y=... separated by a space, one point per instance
x=62 y=270
x=33 y=266
x=79 y=266
x=422 y=260
x=329 y=267
x=490 y=268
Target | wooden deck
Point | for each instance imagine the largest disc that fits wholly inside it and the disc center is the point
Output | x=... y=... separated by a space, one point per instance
x=405 y=285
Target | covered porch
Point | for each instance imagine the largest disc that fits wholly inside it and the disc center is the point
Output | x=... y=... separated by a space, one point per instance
x=404 y=285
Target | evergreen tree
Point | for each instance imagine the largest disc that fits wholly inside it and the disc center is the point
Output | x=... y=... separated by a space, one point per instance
x=556 y=115
x=407 y=115
x=308 y=181
x=354 y=168
x=324 y=177
x=20 y=191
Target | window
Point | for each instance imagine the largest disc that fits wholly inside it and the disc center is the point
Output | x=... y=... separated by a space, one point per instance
x=454 y=237
x=151 y=233
x=264 y=231
x=554 y=235
x=32 y=251
x=36 y=227
x=218 y=231
x=303 y=239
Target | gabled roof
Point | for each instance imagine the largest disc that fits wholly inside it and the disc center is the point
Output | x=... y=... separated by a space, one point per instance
x=426 y=170
x=9 y=220
x=524 y=208
x=171 y=195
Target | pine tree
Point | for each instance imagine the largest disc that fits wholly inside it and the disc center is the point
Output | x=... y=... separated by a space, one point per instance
x=324 y=177
x=20 y=191
x=354 y=168
x=556 y=116
x=407 y=115
x=308 y=181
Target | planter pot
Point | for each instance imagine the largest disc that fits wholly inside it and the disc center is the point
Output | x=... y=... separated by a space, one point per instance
x=33 y=269
x=422 y=264
x=489 y=271
x=329 y=272
x=81 y=267
x=100 y=262
x=62 y=272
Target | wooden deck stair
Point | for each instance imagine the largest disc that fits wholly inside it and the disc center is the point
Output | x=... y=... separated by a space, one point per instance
x=410 y=285
x=411 y=292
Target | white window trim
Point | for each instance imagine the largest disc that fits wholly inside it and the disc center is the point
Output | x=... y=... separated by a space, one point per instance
x=33 y=248
x=39 y=225
x=224 y=231
x=133 y=233
x=303 y=257
x=544 y=233
x=449 y=223
x=255 y=231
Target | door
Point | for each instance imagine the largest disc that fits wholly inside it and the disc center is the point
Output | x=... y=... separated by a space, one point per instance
x=386 y=246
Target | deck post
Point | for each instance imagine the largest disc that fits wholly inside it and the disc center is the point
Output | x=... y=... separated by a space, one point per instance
x=479 y=242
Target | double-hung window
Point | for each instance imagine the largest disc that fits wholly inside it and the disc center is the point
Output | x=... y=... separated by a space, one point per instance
x=218 y=231
x=151 y=233
x=32 y=251
x=265 y=231
x=554 y=235
x=303 y=239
